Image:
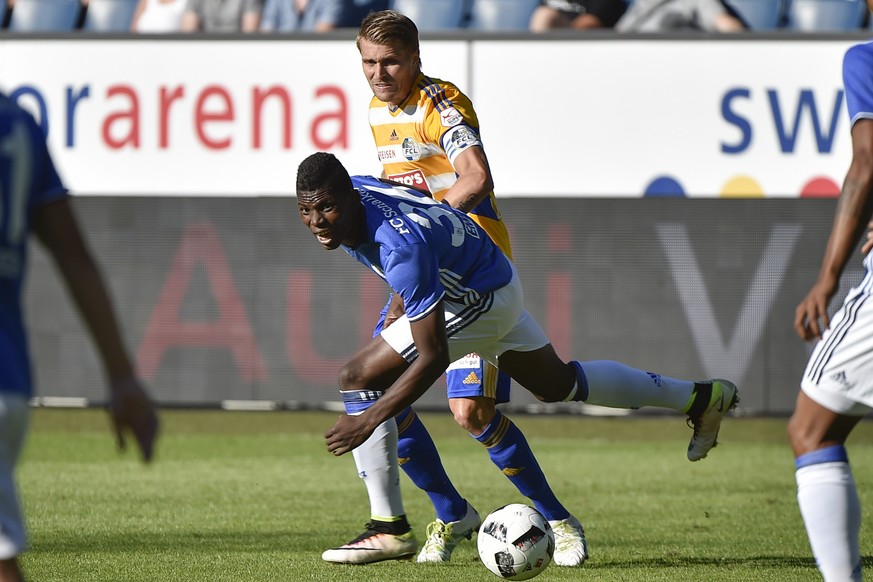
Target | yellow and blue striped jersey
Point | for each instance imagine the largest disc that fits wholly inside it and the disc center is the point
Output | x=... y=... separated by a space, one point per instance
x=418 y=142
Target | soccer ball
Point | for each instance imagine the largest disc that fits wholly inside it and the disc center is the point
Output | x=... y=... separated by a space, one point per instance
x=516 y=542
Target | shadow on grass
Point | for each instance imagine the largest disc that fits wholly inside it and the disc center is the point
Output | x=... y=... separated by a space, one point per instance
x=215 y=541
x=287 y=541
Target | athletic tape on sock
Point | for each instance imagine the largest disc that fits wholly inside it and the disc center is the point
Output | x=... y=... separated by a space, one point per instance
x=357 y=401
x=834 y=454
x=580 y=388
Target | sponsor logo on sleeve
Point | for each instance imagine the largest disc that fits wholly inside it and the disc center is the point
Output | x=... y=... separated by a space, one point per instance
x=450 y=117
x=463 y=137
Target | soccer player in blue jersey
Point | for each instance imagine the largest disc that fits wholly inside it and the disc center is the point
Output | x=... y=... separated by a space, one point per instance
x=32 y=198
x=427 y=135
x=461 y=294
x=837 y=385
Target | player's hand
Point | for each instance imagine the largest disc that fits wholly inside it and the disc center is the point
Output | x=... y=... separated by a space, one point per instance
x=811 y=316
x=132 y=411
x=868 y=243
x=347 y=434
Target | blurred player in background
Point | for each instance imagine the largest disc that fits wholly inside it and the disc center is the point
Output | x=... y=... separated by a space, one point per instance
x=32 y=198
x=427 y=136
x=461 y=294
x=837 y=386
x=316 y=15
x=222 y=16
x=576 y=14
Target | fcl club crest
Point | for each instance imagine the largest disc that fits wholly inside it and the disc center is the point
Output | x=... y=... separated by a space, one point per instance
x=411 y=151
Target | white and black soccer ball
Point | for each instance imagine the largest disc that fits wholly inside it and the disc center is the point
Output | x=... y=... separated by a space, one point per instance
x=516 y=542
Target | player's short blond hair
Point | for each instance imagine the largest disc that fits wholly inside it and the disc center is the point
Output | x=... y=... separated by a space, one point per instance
x=388 y=27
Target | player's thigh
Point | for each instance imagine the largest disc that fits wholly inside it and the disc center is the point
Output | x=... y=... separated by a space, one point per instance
x=813 y=425
x=541 y=372
x=374 y=367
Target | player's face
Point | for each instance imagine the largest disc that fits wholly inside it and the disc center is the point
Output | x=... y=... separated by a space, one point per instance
x=330 y=216
x=390 y=71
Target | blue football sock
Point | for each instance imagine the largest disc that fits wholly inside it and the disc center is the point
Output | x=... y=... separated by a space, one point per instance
x=421 y=462
x=509 y=450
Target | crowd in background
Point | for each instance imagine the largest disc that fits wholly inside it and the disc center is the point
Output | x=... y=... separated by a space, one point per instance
x=540 y=16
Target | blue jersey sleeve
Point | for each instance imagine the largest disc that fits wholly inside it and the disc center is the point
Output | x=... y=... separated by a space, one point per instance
x=425 y=250
x=858 y=81
x=412 y=271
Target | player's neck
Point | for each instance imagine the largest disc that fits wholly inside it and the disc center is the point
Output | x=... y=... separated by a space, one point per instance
x=356 y=236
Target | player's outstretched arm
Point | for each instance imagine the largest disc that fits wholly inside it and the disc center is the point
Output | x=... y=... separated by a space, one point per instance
x=130 y=408
x=853 y=213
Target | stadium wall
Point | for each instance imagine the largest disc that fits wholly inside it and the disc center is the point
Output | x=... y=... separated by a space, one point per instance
x=669 y=201
x=229 y=298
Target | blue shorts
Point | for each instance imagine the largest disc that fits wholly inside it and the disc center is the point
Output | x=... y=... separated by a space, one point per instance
x=472 y=376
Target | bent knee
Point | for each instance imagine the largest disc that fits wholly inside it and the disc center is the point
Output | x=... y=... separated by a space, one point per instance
x=352 y=377
x=803 y=436
x=473 y=414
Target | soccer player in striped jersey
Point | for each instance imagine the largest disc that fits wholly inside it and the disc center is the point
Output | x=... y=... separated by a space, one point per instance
x=461 y=294
x=837 y=386
x=32 y=198
x=427 y=136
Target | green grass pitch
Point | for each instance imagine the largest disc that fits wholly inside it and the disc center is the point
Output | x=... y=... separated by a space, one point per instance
x=255 y=496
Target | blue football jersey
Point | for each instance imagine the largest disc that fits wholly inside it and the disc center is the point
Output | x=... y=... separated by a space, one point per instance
x=858 y=81
x=426 y=250
x=28 y=179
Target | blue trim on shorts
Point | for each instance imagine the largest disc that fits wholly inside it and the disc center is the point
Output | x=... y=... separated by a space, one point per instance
x=834 y=454
x=581 y=382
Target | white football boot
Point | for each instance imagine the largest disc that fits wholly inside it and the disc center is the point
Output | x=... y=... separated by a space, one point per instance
x=571 y=548
x=373 y=546
x=442 y=537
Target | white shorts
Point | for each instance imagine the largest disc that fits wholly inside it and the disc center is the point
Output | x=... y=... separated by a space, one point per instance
x=839 y=374
x=14 y=417
x=497 y=324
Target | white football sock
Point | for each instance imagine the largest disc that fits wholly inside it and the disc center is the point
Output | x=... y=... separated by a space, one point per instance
x=376 y=460
x=831 y=511
x=616 y=385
